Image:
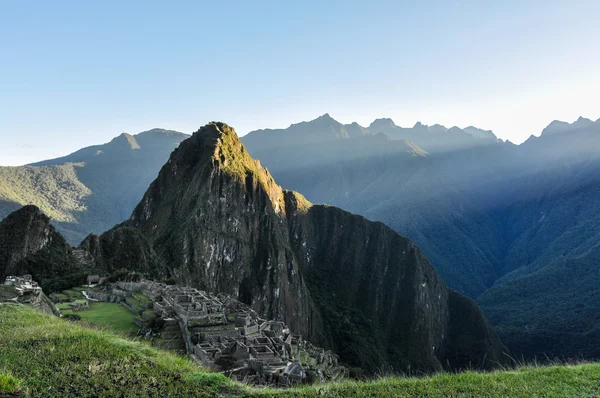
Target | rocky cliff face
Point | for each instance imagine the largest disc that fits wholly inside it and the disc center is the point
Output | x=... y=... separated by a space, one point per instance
x=29 y=244
x=119 y=248
x=222 y=224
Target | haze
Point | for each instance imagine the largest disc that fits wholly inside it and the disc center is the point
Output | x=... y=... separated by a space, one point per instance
x=76 y=74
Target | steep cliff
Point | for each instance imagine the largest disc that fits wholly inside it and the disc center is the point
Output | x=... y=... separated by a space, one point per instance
x=222 y=224
x=29 y=244
x=119 y=248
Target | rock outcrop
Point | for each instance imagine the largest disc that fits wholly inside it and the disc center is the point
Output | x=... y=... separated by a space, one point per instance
x=220 y=223
x=29 y=244
x=24 y=290
x=117 y=248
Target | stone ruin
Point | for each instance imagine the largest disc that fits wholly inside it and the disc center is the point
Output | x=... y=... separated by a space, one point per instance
x=24 y=290
x=23 y=284
x=223 y=334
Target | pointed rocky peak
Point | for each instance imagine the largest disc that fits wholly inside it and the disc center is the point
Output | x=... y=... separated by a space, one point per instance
x=325 y=117
x=124 y=141
x=216 y=143
x=22 y=233
x=582 y=122
x=480 y=133
x=438 y=129
x=325 y=123
x=356 y=130
x=382 y=123
x=27 y=215
x=211 y=160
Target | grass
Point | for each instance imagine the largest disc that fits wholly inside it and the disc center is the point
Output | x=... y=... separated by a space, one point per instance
x=43 y=356
x=50 y=357
x=111 y=316
x=553 y=381
x=9 y=384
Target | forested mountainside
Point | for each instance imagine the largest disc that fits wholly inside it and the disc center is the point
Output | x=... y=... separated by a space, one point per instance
x=92 y=189
x=29 y=244
x=499 y=221
x=216 y=220
x=221 y=223
x=493 y=218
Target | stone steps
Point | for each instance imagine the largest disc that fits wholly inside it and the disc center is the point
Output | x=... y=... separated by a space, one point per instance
x=143 y=300
x=136 y=311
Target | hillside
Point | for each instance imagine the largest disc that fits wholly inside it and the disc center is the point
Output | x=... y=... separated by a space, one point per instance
x=220 y=223
x=216 y=220
x=29 y=244
x=92 y=189
x=501 y=221
x=435 y=198
x=108 y=365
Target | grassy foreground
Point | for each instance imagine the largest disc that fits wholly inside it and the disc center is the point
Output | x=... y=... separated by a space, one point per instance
x=43 y=356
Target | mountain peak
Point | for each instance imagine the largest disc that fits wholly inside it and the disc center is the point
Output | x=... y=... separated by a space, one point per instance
x=29 y=212
x=125 y=140
x=581 y=119
x=221 y=223
x=558 y=126
x=216 y=149
x=22 y=233
x=384 y=123
x=159 y=132
x=325 y=120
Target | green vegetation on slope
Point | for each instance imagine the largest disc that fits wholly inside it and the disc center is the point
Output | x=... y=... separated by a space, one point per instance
x=43 y=356
x=112 y=316
x=51 y=357
x=553 y=381
x=92 y=189
x=54 y=189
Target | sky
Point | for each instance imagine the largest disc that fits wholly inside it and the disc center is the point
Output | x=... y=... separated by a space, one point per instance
x=77 y=73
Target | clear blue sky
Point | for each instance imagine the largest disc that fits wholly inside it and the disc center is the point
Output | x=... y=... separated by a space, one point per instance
x=75 y=73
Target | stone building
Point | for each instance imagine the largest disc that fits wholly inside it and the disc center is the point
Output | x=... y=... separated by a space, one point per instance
x=224 y=334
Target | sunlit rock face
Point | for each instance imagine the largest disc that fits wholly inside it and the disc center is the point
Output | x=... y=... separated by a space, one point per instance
x=219 y=222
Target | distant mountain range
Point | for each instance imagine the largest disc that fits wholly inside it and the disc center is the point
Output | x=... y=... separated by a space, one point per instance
x=92 y=189
x=215 y=219
x=514 y=226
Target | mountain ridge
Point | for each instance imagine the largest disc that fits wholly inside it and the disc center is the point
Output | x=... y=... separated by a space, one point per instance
x=492 y=219
x=93 y=188
x=223 y=224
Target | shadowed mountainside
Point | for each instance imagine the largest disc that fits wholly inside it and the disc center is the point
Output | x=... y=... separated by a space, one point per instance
x=92 y=189
x=516 y=225
x=29 y=244
x=222 y=224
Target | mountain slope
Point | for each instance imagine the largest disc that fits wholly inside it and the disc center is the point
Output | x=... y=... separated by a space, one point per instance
x=222 y=224
x=435 y=199
x=511 y=219
x=92 y=189
x=29 y=244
